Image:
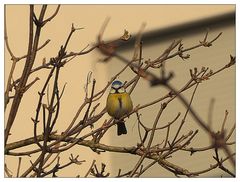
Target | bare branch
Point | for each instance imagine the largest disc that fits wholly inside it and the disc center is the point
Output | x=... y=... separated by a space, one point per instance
x=19 y=166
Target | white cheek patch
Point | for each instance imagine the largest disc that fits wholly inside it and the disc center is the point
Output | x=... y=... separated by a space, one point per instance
x=112 y=91
x=121 y=90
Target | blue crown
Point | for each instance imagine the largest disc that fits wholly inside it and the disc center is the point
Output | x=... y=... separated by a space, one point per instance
x=117 y=83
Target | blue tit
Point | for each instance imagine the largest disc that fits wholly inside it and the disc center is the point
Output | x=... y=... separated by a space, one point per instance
x=119 y=104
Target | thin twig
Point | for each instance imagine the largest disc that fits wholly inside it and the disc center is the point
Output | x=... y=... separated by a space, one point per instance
x=210 y=112
x=19 y=166
x=224 y=121
x=90 y=168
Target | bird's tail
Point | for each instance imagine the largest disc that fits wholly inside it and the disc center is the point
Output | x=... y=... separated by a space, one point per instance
x=121 y=128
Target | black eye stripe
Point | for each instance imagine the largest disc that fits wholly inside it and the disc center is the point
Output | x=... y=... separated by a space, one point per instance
x=117 y=90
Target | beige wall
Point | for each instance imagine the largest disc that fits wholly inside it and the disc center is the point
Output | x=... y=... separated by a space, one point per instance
x=123 y=17
x=221 y=88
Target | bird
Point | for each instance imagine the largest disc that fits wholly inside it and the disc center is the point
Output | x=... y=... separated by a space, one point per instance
x=119 y=104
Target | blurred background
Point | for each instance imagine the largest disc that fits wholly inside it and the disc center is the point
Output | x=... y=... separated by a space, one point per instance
x=164 y=23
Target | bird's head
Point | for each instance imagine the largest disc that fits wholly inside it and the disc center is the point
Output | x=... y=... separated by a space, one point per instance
x=117 y=87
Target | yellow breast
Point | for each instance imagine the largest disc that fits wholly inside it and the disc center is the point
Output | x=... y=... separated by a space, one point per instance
x=119 y=104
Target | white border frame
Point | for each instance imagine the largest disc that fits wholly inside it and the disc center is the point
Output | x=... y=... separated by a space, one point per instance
x=115 y=2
